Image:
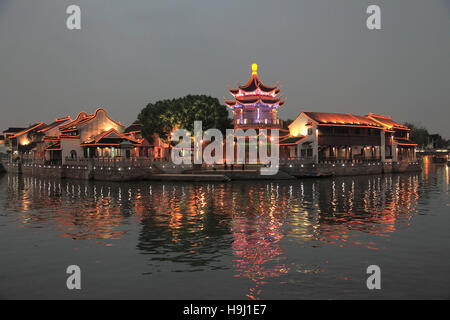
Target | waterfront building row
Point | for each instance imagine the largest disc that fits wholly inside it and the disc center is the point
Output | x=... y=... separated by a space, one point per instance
x=88 y=136
x=319 y=137
x=311 y=145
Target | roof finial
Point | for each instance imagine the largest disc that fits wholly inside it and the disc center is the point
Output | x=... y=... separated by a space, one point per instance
x=254 y=68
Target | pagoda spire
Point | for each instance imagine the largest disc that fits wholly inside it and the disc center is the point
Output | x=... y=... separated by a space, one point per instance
x=254 y=69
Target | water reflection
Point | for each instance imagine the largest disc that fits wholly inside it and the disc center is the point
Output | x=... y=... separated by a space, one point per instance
x=240 y=226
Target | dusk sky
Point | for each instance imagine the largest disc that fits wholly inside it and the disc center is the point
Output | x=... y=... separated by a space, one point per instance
x=130 y=53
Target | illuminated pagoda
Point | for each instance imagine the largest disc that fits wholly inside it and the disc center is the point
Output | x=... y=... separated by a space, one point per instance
x=255 y=105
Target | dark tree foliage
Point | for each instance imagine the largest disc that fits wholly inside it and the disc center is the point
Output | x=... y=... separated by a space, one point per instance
x=421 y=136
x=418 y=134
x=164 y=115
x=287 y=122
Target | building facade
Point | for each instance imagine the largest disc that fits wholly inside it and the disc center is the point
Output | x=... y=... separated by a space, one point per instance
x=320 y=137
x=87 y=136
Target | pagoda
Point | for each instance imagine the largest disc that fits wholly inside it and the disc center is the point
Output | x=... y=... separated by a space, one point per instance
x=255 y=105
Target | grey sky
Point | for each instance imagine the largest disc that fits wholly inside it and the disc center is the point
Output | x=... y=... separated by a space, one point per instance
x=129 y=53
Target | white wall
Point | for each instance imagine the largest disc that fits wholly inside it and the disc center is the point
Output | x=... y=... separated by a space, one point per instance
x=68 y=145
x=99 y=124
x=298 y=127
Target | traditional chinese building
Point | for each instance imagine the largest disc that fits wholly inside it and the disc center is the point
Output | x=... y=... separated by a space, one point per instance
x=88 y=136
x=7 y=135
x=92 y=136
x=23 y=142
x=321 y=137
x=44 y=134
x=398 y=147
x=159 y=149
x=255 y=105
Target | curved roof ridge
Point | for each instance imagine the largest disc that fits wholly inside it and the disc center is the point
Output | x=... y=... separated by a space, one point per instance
x=253 y=83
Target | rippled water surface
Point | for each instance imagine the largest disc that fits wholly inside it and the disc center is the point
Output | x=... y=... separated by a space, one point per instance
x=310 y=238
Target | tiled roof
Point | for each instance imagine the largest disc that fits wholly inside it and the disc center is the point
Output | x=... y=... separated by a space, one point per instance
x=54 y=146
x=346 y=119
x=404 y=142
x=54 y=124
x=13 y=130
x=111 y=136
x=35 y=126
x=291 y=140
x=386 y=121
x=134 y=127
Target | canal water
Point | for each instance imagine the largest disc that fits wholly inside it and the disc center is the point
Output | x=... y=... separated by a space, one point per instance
x=302 y=239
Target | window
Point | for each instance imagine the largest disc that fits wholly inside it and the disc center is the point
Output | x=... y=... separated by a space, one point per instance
x=310 y=131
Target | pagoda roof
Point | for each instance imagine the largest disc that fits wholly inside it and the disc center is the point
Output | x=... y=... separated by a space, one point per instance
x=254 y=83
x=255 y=99
x=387 y=122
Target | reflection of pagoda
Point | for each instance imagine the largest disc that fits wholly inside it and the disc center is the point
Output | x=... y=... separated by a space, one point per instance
x=255 y=105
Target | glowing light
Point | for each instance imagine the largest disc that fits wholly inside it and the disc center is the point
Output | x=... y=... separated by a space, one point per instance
x=254 y=68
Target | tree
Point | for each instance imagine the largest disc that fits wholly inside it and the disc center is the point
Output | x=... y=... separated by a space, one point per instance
x=287 y=122
x=441 y=142
x=163 y=116
x=418 y=134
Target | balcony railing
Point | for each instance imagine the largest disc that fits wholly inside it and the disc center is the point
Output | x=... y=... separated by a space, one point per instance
x=256 y=122
x=355 y=159
x=296 y=160
x=110 y=162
